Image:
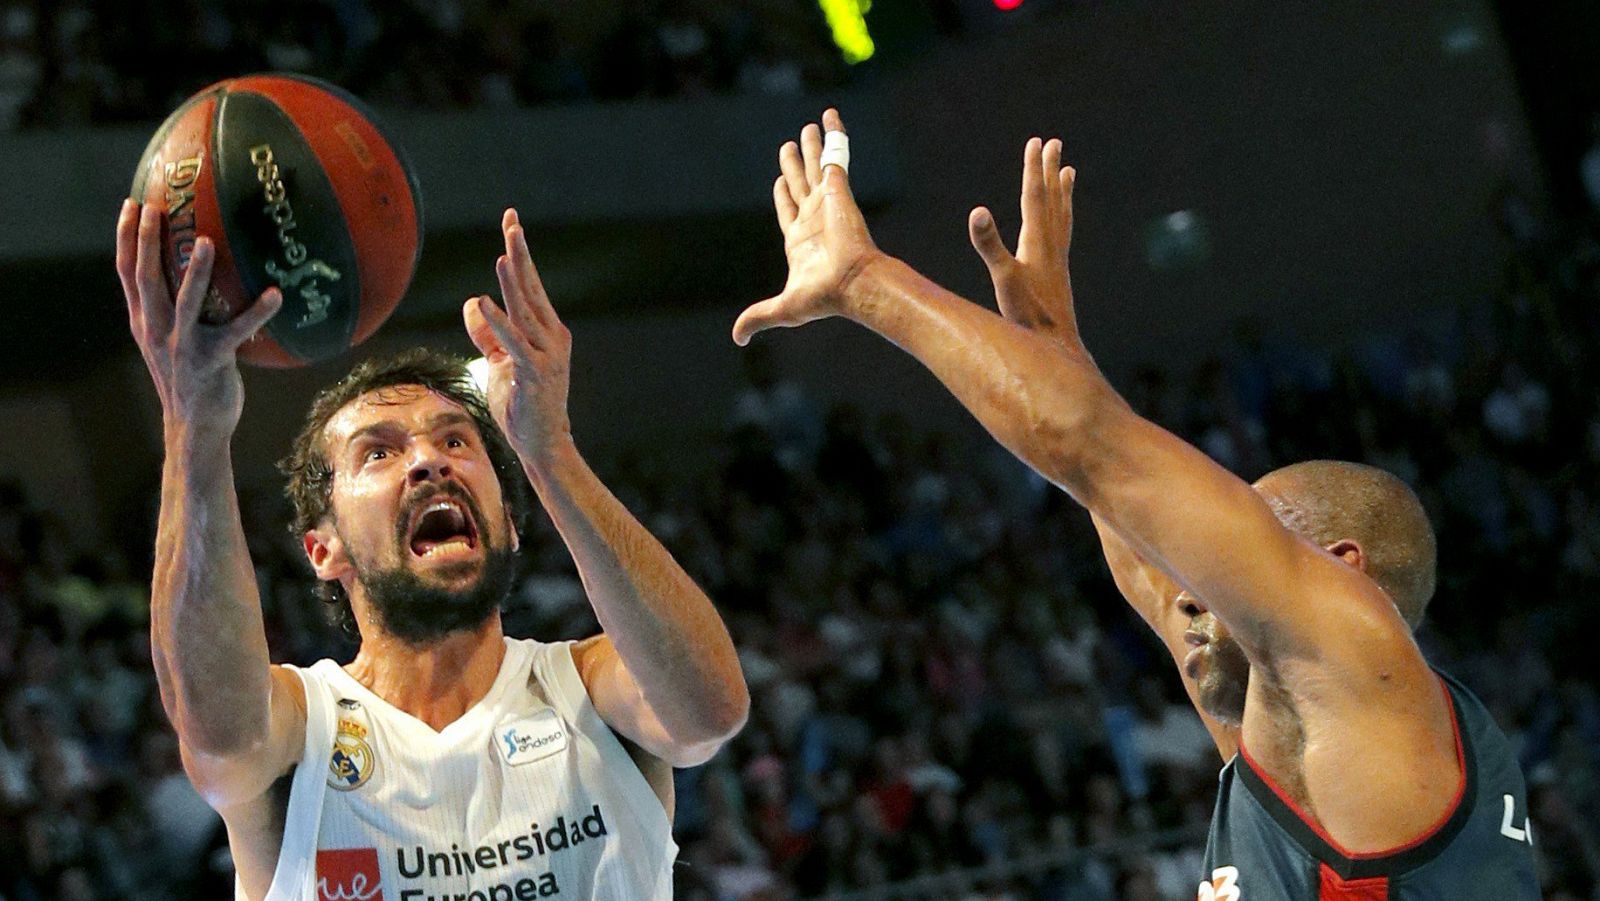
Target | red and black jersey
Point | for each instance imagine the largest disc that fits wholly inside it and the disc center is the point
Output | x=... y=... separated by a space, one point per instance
x=1263 y=847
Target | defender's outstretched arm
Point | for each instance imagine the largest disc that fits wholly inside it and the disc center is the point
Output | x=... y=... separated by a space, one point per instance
x=1339 y=659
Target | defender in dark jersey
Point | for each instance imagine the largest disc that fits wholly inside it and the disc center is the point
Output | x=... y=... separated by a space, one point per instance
x=1263 y=844
x=1360 y=774
x=1262 y=837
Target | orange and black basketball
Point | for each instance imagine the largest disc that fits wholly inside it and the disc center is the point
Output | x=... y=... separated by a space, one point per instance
x=297 y=186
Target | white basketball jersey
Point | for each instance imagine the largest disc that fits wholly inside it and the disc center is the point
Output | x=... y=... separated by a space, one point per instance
x=527 y=795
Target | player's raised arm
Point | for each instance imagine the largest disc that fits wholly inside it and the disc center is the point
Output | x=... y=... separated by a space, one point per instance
x=1041 y=395
x=1300 y=612
x=665 y=674
x=1033 y=288
x=239 y=721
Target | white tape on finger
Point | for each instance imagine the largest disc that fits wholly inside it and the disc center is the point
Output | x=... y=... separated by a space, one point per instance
x=836 y=150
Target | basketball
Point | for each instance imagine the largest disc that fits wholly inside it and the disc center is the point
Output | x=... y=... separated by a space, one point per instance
x=298 y=187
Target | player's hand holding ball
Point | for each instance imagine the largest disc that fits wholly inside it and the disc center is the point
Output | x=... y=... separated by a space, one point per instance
x=529 y=352
x=194 y=365
x=824 y=235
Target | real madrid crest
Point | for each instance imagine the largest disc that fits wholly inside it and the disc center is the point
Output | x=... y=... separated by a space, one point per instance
x=352 y=762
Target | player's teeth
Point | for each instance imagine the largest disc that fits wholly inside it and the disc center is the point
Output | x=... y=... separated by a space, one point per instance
x=445 y=545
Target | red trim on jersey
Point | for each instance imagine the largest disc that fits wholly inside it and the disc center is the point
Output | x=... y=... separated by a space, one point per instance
x=1333 y=887
x=1461 y=790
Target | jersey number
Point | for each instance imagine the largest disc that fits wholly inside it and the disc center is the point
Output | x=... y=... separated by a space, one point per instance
x=1222 y=886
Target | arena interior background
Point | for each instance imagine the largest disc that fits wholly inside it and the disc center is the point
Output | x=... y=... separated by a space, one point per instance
x=1302 y=229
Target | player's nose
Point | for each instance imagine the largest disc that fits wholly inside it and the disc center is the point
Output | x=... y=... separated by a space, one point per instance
x=428 y=463
x=1189 y=604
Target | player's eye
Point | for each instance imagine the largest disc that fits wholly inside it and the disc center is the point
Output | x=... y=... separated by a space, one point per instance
x=374 y=454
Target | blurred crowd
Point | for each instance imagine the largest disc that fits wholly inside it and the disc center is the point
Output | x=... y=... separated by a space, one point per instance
x=943 y=675
x=69 y=62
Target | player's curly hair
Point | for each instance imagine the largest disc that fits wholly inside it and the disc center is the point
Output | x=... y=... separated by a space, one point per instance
x=310 y=474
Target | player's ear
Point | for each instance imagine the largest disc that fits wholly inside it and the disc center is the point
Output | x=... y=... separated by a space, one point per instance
x=1349 y=550
x=326 y=551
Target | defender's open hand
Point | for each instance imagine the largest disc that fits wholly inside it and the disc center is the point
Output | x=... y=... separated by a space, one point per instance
x=824 y=236
x=194 y=366
x=528 y=348
x=1034 y=288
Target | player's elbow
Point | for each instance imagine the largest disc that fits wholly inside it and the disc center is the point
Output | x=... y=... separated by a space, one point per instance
x=683 y=755
x=223 y=781
x=716 y=725
x=735 y=714
x=220 y=740
x=723 y=720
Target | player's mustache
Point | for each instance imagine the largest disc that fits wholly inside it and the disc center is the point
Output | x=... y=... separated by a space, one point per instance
x=1206 y=625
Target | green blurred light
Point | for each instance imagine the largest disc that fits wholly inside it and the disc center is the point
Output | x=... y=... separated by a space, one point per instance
x=847 y=21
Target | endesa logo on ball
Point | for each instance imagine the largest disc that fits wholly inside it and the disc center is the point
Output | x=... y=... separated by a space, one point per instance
x=349 y=874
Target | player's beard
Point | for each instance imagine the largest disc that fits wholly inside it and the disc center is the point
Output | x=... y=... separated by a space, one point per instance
x=1224 y=681
x=418 y=612
x=409 y=608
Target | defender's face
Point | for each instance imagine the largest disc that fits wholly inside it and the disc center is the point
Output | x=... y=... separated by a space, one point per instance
x=1215 y=663
x=414 y=488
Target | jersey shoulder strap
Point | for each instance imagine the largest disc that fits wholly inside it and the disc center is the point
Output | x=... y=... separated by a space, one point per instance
x=294 y=877
x=554 y=669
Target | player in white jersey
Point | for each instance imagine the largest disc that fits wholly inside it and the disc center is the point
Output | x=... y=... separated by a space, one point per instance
x=446 y=760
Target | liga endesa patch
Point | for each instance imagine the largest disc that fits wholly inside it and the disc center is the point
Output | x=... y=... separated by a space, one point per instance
x=437 y=874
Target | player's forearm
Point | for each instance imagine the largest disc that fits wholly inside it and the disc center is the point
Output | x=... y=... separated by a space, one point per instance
x=1049 y=405
x=664 y=628
x=1137 y=584
x=1041 y=401
x=210 y=647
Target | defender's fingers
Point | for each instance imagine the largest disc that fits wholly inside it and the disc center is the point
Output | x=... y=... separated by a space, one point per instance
x=986 y=240
x=1032 y=182
x=758 y=317
x=835 y=148
x=154 y=300
x=811 y=151
x=783 y=204
x=1050 y=184
x=1069 y=180
x=794 y=171
x=127 y=258
x=252 y=318
x=1036 y=210
x=196 y=279
x=837 y=181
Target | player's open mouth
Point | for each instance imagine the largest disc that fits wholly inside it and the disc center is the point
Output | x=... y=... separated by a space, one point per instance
x=441 y=528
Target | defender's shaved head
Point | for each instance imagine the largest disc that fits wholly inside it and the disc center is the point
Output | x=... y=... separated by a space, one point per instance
x=1328 y=501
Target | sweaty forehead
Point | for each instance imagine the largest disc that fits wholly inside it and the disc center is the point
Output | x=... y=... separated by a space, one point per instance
x=412 y=407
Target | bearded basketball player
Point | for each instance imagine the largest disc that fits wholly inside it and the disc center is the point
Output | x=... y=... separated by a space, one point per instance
x=446 y=760
x=1360 y=772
